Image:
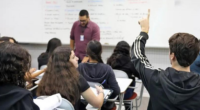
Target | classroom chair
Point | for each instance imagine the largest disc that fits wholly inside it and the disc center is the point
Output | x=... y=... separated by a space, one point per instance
x=122 y=74
x=66 y=105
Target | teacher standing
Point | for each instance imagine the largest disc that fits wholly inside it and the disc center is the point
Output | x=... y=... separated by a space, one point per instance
x=82 y=32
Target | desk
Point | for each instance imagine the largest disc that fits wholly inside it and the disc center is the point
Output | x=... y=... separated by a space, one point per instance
x=123 y=85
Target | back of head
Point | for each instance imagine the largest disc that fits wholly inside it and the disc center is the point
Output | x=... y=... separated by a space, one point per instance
x=61 y=76
x=14 y=63
x=52 y=44
x=185 y=48
x=84 y=13
x=122 y=49
x=94 y=50
x=8 y=39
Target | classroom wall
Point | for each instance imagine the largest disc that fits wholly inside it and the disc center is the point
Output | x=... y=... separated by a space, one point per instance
x=158 y=57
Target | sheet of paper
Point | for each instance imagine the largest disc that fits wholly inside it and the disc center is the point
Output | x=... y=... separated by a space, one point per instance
x=105 y=91
x=48 y=103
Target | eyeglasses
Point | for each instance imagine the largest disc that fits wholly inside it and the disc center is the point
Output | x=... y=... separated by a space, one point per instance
x=83 y=21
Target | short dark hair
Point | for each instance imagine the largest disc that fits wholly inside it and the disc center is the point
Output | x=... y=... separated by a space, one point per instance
x=7 y=39
x=14 y=64
x=94 y=50
x=185 y=48
x=83 y=13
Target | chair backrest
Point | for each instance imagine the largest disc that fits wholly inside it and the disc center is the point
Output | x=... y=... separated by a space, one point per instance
x=43 y=67
x=66 y=105
x=120 y=74
x=139 y=98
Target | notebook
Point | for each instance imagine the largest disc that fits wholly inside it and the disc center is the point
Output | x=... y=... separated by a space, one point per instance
x=107 y=92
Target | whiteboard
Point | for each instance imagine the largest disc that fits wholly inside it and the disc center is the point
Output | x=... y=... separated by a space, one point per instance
x=37 y=21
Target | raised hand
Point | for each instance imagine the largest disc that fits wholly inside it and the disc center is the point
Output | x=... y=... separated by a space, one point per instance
x=144 y=23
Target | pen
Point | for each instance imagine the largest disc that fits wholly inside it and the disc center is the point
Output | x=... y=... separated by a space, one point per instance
x=103 y=82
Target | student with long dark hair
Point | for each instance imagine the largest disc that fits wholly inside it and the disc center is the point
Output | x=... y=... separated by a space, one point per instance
x=62 y=77
x=52 y=44
x=14 y=65
x=96 y=71
x=121 y=60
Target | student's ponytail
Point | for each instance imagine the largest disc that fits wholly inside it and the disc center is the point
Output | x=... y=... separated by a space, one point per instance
x=94 y=50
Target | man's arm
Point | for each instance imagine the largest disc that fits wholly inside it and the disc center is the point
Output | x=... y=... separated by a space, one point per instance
x=72 y=44
x=138 y=56
x=96 y=33
x=72 y=37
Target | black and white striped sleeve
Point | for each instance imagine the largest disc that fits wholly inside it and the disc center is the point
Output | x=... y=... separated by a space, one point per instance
x=140 y=60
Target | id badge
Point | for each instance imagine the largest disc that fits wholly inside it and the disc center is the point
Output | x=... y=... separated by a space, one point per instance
x=82 y=38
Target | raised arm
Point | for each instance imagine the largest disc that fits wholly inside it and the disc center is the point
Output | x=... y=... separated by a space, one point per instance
x=138 y=56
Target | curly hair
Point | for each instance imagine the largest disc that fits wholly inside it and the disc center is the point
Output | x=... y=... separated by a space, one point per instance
x=185 y=47
x=61 y=76
x=122 y=48
x=94 y=50
x=14 y=64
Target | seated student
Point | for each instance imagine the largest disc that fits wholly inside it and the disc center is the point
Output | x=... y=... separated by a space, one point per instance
x=121 y=60
x=14 y=63
x=52 y=44
x=96 y=71
x=28 y=76
x=175 y=88
x=33 y=74
x=8 y=39
x=62 y=77
x=195 y=66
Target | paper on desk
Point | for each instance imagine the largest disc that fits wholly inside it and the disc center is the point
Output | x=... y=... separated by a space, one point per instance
x=105 y=91
x=49 y=103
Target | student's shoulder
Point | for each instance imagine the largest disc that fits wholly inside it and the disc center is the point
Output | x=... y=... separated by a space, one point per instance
x=105 y=66
x=93 y=24
x=81 y=65
x=76 y=23
x=17 y=90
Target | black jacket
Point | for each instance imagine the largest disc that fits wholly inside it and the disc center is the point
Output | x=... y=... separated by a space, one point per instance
x=16 y=98
x=124 y=63
x=43 y=59
x=169 y=89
